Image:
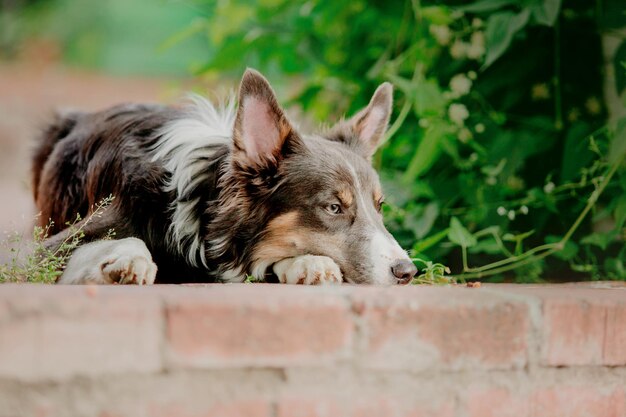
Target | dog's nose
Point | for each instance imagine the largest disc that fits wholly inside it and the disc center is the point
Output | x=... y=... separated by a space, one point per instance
x=404 y=271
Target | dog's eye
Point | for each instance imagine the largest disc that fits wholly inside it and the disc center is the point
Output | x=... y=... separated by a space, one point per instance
x=334 y=208
x=379 y=205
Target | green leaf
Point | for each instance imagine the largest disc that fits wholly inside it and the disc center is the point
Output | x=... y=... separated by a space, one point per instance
x=428 y=98
x=617 y=149
x=424 y=244
x=427 y=152
x=482 y=6
x=421 y=221
x=437 y=14
x=615 y=268
x=460 y=235
x=546 y=12
x=510 y=237
x=501 y=28
x=620 y=212
x=568 y=252
x=489 y=246
x=601 y=240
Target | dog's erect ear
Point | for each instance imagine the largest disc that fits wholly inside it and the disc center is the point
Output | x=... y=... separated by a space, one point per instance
x=261 y=127
x=367 y=127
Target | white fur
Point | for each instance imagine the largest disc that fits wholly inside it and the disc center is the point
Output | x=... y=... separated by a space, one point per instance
x=126 y=261
x=384 y=253
x=260 y=267
x=233 y=275
x=308 y=270
x=182 y=142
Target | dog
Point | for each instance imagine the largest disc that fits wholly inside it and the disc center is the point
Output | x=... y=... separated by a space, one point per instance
x=206 y=193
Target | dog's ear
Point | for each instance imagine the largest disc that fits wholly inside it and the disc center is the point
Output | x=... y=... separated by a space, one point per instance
x=261 y=127
x=366 y=129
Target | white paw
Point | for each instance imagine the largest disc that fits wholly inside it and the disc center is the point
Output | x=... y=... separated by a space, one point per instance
x=124 y=261
x=129 y=269
x=308 y=270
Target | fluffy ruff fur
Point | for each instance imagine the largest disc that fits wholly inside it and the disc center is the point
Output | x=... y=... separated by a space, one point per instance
x=218 y=192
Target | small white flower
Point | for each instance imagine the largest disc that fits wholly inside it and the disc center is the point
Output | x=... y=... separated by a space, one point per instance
x=472 y=75
x=458 y=113
x=441 y=34
x=473 y=157
x=464 y=135
x=479 y=128
x=460 y=85
x=476 y=47
x=458 y=50
x=523 y=209
x=548 y=188
x=491 y=181
x=501 y=211
x=478 y=39
x=477 y=22
x=423 y=123
x=511 y=215
x=475 y=52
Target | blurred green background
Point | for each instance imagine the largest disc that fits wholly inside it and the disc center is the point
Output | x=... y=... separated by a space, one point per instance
x=506 y=152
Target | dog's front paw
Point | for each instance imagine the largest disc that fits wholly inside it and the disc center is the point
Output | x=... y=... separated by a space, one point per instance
x=308 y=270
x=129 y=269
x=124 y=261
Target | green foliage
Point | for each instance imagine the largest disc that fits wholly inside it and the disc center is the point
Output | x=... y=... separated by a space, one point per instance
x=433 y=273
x=117 y=36
x=34 y=262
x=500 y=150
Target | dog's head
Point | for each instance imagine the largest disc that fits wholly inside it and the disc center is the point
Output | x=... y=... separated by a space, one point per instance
x=318 y=193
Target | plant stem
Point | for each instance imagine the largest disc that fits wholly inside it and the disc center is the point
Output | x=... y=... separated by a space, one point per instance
x=533 y=254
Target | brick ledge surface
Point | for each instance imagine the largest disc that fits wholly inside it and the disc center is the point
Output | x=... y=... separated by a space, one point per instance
x=279 y=351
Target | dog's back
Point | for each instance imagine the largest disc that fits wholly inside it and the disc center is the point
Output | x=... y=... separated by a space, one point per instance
x=84 y=157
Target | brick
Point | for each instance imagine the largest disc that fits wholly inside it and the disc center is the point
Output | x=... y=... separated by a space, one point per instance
x=496 y=402
x=584 y=331
x=573 y=333
x=258 y=326
x=441 y=328
x=234 y=408
x=60 y=332
x=589 y=400
x=579 y=402
x=614 y=350
x=358 y=406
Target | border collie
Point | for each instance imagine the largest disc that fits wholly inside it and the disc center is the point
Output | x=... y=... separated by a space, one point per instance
x=219 y=192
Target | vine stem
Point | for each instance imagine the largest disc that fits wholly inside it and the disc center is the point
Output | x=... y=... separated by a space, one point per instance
x=533 y=255
x=404 y=112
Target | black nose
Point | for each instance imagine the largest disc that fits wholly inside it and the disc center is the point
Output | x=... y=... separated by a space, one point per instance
x=404 y=271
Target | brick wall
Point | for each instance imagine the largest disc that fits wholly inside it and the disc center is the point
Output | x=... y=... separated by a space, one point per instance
x=287 y=351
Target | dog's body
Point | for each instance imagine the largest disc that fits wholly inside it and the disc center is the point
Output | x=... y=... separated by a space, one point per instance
x=217 y=193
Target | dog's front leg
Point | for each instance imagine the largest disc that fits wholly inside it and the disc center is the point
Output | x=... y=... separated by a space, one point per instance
x=124 y=261
x=308 y=270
